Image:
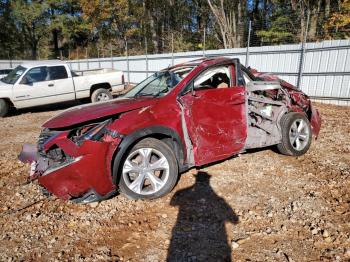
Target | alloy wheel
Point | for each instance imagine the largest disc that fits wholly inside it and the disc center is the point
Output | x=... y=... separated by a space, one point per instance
x=299 y=134
x=145 y=171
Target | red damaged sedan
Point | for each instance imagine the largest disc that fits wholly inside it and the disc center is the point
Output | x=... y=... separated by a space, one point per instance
x=191 y=114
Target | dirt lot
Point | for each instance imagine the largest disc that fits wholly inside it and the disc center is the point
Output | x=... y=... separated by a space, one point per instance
x=260 y=206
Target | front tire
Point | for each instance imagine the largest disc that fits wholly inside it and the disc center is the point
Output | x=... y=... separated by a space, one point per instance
x=100 y=95
x=4 y=107
x=296 y=134
x=149 y=170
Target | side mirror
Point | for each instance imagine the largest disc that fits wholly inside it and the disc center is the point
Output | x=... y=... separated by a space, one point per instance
x=25 y=81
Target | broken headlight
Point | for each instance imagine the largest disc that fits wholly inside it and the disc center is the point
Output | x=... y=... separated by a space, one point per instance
x=93 y=132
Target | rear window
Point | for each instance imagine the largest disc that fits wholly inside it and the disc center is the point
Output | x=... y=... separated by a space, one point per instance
x=57 y=72
x=5 y=71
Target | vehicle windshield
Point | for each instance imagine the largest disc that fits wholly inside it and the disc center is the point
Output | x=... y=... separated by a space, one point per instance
x=13 y=76
x=160 y=83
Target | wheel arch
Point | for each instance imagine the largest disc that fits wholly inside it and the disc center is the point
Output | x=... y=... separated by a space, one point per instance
x=165 y=134
x=104 y=85
x=8 y=100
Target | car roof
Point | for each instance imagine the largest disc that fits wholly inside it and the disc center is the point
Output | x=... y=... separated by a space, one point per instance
x=42 y=63
x=205 y=61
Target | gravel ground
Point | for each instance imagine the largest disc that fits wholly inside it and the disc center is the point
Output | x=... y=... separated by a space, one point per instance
x=259 y=206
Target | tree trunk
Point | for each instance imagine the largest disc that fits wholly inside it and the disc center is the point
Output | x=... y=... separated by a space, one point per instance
x=159 y=36
x=327 y=8
x=33 y=41
x=149 y=11
x=153 y=26
x=314 y=18
x=34 y=47
x=302 y=24
x=199 y=17
x=230 y=18
x=55 y=42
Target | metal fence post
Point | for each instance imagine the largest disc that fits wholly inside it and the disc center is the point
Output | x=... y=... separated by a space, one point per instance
x=10 y=57
x=301 y=62
x=146 y=48
x=98 y=57
x=110 y=46
x=127 y=60
x=87 y=58
x=78 y=58
x=248 y=44
x=204 y=31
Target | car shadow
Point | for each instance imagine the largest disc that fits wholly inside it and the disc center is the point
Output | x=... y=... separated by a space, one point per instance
x=46 y=108
x=247 y=151
x=199 y=233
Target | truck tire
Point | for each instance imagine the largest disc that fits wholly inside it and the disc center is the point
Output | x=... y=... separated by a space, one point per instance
x=4 y=107
x=101 y=94
x=296 y=134
x=149 y=170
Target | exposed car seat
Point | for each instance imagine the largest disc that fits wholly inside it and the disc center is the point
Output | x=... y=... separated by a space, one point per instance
x=221 y=80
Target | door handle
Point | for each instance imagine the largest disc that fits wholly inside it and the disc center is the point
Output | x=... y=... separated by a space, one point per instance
x=50 y=85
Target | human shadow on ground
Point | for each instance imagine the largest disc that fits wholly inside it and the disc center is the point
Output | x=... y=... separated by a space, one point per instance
x=199 y=233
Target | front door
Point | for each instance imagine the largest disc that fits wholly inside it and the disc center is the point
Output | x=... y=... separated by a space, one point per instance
x=215 y=115
x=35 y=88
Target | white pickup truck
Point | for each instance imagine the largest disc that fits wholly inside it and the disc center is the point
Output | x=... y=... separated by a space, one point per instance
x=48 y=82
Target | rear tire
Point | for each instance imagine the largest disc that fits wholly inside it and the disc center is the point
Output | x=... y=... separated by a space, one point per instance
x=101 y=94
x=149 y=170
x=4 y=107
x=296 y=134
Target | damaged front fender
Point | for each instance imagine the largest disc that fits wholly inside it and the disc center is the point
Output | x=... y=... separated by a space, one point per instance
x=70 y=171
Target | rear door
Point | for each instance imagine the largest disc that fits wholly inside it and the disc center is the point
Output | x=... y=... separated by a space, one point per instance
x=215 y=114
x=63 y=83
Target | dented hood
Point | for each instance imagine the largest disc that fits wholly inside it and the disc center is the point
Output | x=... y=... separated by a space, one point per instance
x=81 y=114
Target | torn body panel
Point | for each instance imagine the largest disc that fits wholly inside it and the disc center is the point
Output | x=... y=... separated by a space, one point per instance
x=188 y=143
x=69 y=170
x=216 y=123
x=267 y=102
x=86 y=172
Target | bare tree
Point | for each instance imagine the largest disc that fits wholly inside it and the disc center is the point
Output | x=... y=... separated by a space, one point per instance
x=229 y=18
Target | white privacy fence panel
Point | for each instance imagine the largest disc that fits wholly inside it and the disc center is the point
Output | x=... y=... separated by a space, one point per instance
x=325 y=72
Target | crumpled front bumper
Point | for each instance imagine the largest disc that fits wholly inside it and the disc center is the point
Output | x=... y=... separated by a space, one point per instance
x=85 y=176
